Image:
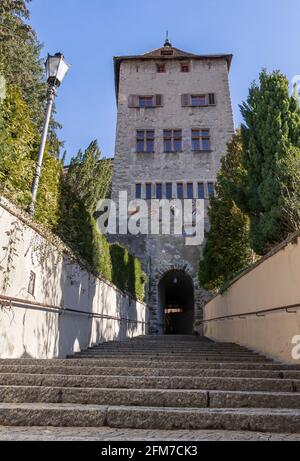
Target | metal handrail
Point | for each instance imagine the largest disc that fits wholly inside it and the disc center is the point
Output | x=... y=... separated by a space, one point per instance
x=22 y=303
x=262 y=313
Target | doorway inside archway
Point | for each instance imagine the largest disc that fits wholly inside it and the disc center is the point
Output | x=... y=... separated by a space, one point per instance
x=176 y=303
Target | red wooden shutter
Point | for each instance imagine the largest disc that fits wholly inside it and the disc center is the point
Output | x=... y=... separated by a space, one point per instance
x=211 y=99
x=185 y=100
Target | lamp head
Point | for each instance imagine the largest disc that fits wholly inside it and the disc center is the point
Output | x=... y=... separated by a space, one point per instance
x=56 y=69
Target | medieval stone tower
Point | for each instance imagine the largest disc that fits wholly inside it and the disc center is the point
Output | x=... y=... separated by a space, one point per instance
x=174 y=121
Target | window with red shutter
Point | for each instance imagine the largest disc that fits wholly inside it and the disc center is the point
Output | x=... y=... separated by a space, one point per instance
x=199 y=100
x=185 y=67
x=160 y=68
x=145 y=101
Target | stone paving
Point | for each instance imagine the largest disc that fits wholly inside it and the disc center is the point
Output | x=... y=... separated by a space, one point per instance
x=107 y=434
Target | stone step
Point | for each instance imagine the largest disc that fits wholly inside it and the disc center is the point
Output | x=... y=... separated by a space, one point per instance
x=189 y=346
x=104 y=396
x=261 y=420
x=151 y=382
x=177 y=358
x=167 y=351
x=131 y=371
x=149 y=397
x=97 y=434
x=168 y=338
x=146 y=363
x=72 y=415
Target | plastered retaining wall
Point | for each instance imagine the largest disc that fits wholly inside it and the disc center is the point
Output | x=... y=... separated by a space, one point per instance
x=61 y=284
x=272 y=283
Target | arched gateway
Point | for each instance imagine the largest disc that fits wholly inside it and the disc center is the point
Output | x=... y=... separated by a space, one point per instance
x=176 y=302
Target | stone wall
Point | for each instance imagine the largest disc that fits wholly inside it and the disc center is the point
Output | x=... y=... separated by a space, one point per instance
x=60 y=287
x=205 y=77
x=161 y=254
x=272 y=285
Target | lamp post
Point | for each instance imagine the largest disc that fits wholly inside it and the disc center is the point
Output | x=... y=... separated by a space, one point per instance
x=56 y=70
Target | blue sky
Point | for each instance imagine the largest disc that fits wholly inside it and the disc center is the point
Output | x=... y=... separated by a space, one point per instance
x=260 y=33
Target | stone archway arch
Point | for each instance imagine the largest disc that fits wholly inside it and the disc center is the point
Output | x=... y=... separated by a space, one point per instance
x=156 y=325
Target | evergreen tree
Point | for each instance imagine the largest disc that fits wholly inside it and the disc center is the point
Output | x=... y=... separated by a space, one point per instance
x=227 y=248
x=48 y=206
x=19 y=142
x=87 y=181
x=17 y=137
x=89 y=176
x=269 y=135
x=290 y=191
x=21 y=65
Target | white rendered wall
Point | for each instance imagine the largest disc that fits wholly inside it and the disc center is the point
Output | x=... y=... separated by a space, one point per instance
x=274 y=283
x=31 y=332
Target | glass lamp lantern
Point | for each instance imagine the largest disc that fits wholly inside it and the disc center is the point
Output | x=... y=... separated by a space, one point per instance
x=56 y=69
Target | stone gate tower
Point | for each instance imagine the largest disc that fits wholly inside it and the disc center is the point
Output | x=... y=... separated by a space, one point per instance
x=174 y=121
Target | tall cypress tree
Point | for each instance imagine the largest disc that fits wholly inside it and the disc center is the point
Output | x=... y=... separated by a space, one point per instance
x=270 y=134
x=227 y=249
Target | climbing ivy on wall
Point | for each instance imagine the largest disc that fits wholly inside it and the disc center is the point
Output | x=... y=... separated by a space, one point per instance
x=87 y=181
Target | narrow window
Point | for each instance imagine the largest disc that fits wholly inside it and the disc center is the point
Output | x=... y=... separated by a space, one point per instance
x=138 y=191
x=211 y=189
x=190 y=191
x=200 y=140
x=148 y=191
x=167 y=141
x=180 y=190
x=145 y=101
x=198 y=100
x=185 y=67
x=159 y=191
x=172 y=141
x=150 y=141
x=201 y=190
x=169 y=194
x=212 y=99
x=177 y=135
x=161 y=68
x=140 y=141
x=145 y=141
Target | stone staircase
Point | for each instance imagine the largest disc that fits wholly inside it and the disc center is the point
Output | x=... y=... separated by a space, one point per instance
x=163 y=382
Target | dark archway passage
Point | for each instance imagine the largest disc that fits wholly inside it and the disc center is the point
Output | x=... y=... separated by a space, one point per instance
x=176 y=303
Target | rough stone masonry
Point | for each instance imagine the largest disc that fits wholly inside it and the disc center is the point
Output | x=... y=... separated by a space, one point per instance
x=174 y=122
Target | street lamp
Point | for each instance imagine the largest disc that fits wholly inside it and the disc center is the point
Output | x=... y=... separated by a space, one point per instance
x=56 y=70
